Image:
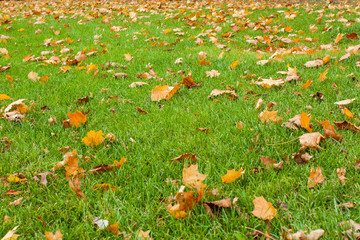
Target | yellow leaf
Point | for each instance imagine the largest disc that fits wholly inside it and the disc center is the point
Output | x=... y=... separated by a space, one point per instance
x=232 y=175
x=339 y=37
x=269 y=116
x=234 y=64
x=128 y=57
x=192 y=178
x=323 y=76
x=77 y=118
x=15 y=179
x=93 y=138
x=4 y=97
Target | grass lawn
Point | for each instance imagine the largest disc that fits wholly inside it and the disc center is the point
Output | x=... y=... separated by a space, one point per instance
x=69 y=47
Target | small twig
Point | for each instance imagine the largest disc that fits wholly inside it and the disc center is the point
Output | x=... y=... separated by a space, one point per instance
x=282 y=142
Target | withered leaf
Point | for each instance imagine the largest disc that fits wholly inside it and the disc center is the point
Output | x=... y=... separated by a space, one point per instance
x=315 y=177
x=43 y=179
x=345 y=125
x=232 y=175
x=190 y=156
x=101 y=168
x=192 y=178
x=214 y=208
x=263 y=209
x=75 y=184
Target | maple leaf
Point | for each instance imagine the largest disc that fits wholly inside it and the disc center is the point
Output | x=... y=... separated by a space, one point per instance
x=329 y=130
x=104 y=187
x=263 y=209
x=213 y=208
x=185 y=202
x=184 y=156
x=234 y=64
x=93 y=138
x=68 y=156
x=119 y=163
x=192 y=178
x=305 y=121
x=114 y=228
x=339 y=37
x=43 y=179
x=75 y=185
x=72 y=168
x=77 y=118
x=50 y=236
x=213 y=73
x=315 y=177
x=311 y=140
x=4 y=97
x=340 y=172
x=269 y=116
x=188 y=81
x=232 y=175
x=268 y=83
x=163 y=92
x=347 y=126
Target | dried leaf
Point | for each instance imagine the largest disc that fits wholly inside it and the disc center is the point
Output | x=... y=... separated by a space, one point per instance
x=190 y=156
x=50 y=236
x=305 y=121
x=340 y=172
x=345 y=125
x=10 y=235
x=263 y=209
x=213 y=73
x=77 y=118
x=17 y=202
x=311 y=140
x=323 y=76
x=75 y=185
x=345 y=102
x=232 y=175
x=100 y=223
x=269 y=116
x=119 y=163
x=192 y=178
x=43 y=179
x=315 y=177
x=217 y=92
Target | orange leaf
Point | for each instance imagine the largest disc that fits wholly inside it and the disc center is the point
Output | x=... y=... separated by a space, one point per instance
x=323 y=76
x=348 y=113
x=51 y=236
x=234 y=64
x=315 y=177
x=307 y=84
x=75 y=185
x=232 y=175
x=203 y=62
x=121 y=162
x=339 y=37
x=77 y=118
x=263 y=209
x=93 y=138
x=114 y=228
x=10 y=78
x=305 y=121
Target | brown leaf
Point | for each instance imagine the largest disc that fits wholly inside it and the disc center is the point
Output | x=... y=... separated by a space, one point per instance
x=205 y=130
x=75 y=185
x=315 y=177
x=83 y=100
x=301 y=158
x=189 y=156
x=329 y=130
x=142 y=111
x=214 y=208
x=17 y=201
x=12 y=192
x=101 y=168
x=263 y=209
x=352 y=36
x=339 y=37
x=311 y=140
x=135 y=84
x=212 y=73
x=345 y=125
x=268 y=162
x=340 y=172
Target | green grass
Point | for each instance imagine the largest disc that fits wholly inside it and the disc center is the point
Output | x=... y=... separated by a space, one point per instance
x=170 y=131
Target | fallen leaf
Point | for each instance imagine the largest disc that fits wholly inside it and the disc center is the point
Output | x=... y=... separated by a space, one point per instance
x=119 y=163
x=189 y=156
x=101 y=168
x=347 y=205
x=234 y=64
x=232 y=175
x=263 y=209
x=68 y=156
x=329 y=130
x=268 y=83
x=192 y=178
x=100 y=223
x=305 y=121
x=311 y=140
x=269 y=116
x=213 y=73
x=268 y=162
x=144 y=235
x=184 y=203
x=77 y=118
x=163 y=92
x=93 y=138
x=128 y=57
x=300 y=235
x=345 y=102
x=4 y=97
x=322 y=76
x=307 y=84
x=348 y=113
x=352 y=228
x=345 y=125
x=217 y=92
x=135 y=84
x=214 y=208
x=12 y=192
x=142 y=111
x=114 y=228
x=75 y=185
x=43 y=179
x=50 y=236
x=340 y=172
x=339 y=37
x=10 y=235
x=104 y=187
x=17 y=202
x=315 y=177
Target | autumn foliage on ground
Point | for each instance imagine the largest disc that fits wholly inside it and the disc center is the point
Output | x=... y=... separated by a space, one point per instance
x=179 y=119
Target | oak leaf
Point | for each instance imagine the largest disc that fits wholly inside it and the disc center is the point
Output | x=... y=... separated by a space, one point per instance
x=77 y=118
x=315 y=177
x=263 y=209
x=232 y=175
x=192 y=178
x=93 y=138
